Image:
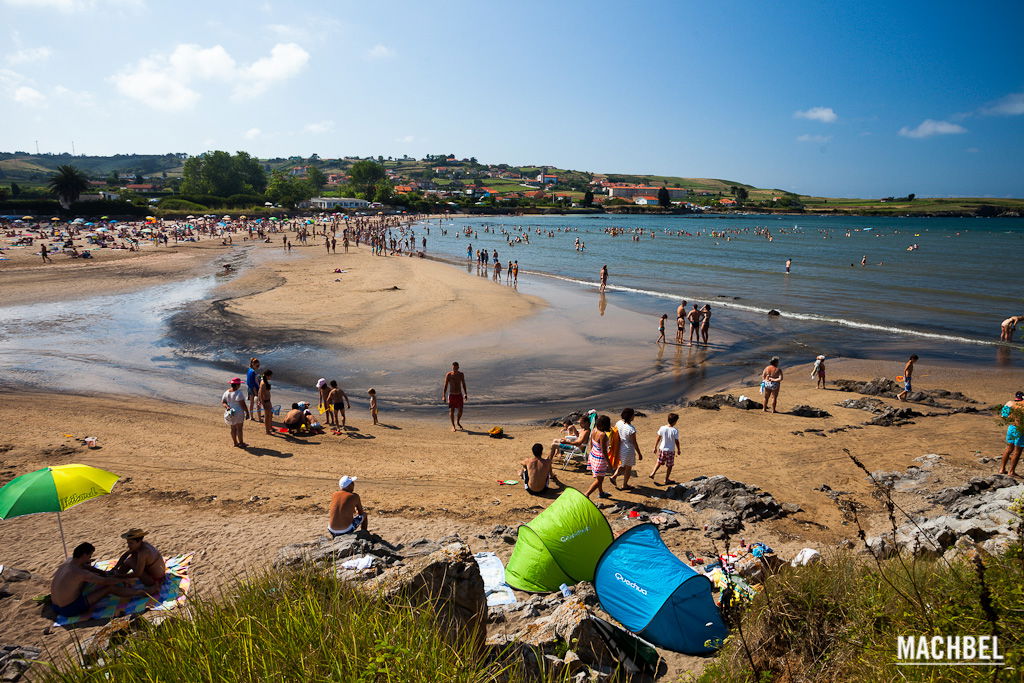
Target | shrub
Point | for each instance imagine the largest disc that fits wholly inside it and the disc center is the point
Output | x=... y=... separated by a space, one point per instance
x=294 y=625
x=175 y=204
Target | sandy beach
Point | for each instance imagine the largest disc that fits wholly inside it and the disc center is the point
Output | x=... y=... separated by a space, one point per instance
x=183 y=482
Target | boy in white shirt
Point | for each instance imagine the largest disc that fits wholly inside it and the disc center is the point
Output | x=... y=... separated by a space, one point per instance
x=667 y=447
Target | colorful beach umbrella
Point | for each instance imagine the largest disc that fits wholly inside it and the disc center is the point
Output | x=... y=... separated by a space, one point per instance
x=54 y=489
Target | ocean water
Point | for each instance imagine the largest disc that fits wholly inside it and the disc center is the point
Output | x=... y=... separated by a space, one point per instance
x=948 y=295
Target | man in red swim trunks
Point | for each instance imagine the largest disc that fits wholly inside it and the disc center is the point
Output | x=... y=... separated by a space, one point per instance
x=455 y=392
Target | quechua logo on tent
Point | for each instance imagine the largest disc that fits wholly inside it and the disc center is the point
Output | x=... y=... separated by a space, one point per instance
x=634 y=586
x=566 y=539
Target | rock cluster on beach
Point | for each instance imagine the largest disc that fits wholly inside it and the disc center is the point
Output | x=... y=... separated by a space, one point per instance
x=883 y=386
x=718 y=400
x=733 y=503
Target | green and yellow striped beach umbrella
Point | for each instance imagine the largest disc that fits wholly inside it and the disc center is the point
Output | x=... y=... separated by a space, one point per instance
x=54 y=489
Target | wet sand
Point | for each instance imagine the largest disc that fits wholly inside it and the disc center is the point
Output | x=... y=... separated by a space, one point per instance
x=394 y=323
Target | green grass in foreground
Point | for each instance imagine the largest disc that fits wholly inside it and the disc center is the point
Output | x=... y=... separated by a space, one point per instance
x=302 y=625
x=838 y=620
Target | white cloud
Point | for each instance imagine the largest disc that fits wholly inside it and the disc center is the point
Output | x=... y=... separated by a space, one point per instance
x=286 y=60
x=1011 y=105
x=379 y=51
x=10 y=79
x=30 y=97
x=405 y=138
x=820 y=139
x=930 y=127
x=73 y=5
x=823 y=114
x=190 y=61
x=972 y=150
x=165 y=82
x=153 y=83
x=29 y=54
x=79 y=98
x=319 y=127
x=252 y=133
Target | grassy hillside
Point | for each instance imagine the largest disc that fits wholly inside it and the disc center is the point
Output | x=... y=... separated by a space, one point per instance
x=37 y=167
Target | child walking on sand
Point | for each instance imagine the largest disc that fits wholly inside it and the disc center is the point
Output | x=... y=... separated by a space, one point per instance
x=661 y=328
x=818 y=372
x=373 y=405
x=667 y=447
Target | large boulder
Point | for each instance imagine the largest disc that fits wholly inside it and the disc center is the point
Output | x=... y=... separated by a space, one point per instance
x=336 y=550
x=573 y=624
x=449 y=579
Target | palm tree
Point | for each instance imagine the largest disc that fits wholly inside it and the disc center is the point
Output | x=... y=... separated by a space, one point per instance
x=67 y=183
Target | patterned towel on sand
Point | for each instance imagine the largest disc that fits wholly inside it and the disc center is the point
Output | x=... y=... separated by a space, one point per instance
x=172 y=593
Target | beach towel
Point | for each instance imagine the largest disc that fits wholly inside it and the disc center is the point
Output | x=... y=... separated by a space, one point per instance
x=493 y=573
x=172 y=593
x=613 y=449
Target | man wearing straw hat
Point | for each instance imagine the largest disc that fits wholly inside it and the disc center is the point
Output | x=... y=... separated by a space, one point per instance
x=141 y=560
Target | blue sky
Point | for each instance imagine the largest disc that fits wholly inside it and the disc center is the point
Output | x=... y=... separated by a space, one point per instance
x=841 y=99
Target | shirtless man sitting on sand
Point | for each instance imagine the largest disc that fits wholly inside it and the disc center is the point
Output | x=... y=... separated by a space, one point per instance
x=141 y=561
x=67 y=589
x=537 y=472
x=346 y=513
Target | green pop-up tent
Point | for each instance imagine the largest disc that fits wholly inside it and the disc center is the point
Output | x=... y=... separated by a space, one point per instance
x=561 y=545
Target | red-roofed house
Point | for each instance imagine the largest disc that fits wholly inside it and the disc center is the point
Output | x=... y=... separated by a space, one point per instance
x=645 y=200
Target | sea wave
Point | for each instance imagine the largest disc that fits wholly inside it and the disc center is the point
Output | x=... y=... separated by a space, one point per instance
x=795 y=315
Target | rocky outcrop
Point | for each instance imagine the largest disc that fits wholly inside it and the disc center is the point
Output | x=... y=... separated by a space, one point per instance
x=718 y=400
x=872 y=405
x=335 y=550
x=449 y=579
x=883 y=386
x=735 y=502
x=977 y=513
x=893 y=417
x=809 y=411
x=15 y=661
x=537 y=644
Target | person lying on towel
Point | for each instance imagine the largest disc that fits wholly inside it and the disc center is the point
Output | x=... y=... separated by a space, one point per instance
x=68 y=594
x=346 y=513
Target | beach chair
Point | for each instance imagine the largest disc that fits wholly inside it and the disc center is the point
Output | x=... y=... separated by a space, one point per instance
x=575 y=456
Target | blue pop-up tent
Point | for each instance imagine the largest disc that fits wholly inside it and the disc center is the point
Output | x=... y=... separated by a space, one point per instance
x=655 y=595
